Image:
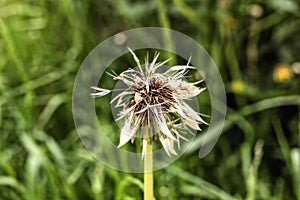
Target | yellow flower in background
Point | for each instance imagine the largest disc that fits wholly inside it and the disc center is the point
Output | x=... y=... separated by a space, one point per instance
x=237 y=87
x=282 y=73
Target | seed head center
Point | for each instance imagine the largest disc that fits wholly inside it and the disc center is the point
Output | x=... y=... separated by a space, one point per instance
x=153 y=93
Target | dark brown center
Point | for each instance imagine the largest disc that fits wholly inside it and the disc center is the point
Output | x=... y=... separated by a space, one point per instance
x=156 y=93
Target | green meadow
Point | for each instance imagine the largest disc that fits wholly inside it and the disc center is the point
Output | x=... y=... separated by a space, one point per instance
x=254 y=43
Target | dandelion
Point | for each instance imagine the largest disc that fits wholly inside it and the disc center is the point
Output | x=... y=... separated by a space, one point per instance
x=282 y=73
x=154 y=104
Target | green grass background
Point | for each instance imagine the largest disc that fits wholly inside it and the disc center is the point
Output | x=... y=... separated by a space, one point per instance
x=42 y=44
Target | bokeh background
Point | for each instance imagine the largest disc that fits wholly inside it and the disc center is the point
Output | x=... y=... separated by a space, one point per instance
x=255 y=44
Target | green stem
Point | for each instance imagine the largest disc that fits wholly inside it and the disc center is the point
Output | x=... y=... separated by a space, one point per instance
x=148 y=174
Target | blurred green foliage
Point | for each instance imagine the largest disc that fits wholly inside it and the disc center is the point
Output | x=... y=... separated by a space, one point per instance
x=255 y=44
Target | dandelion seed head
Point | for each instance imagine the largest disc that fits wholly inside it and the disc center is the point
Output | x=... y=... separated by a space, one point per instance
x=154 y=104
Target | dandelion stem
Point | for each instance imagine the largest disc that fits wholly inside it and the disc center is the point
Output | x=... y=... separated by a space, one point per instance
x=148 y=174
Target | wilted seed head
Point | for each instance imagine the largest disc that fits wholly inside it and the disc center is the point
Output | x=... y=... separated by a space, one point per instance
x=154 y=104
